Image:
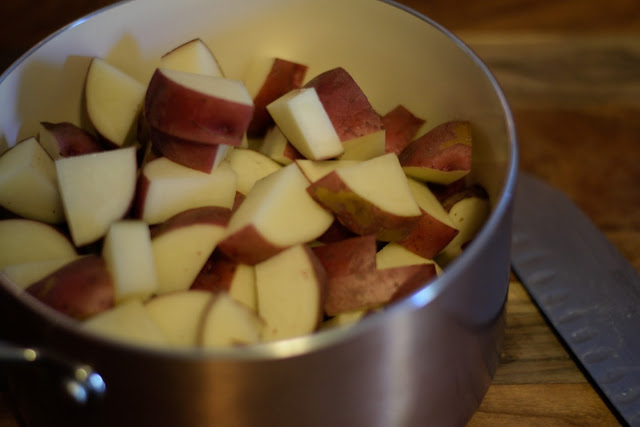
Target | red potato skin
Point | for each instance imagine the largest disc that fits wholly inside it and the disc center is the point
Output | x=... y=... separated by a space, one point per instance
x=346 y=104
x=428 y=237
x=401 y=126
x=354 y=281
x=446 y=147
x=283 y=77
x=335 y=233
x=237 y=201
x=356 y=213
x=248 y=246
x=217 y=274
x=73 y=140
x=471 y=191
x=142 y=187
x=80 y=289
x=373 y=288
x=213 y=215
x=443 y=192
x=290 y=152
x=348 y=257
x=191 y=154
x=184 y=113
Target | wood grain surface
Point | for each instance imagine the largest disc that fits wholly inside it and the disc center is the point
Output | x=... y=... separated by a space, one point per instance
x=571 y=72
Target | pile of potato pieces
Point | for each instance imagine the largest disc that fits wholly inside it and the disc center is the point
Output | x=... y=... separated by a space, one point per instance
x=202 y=211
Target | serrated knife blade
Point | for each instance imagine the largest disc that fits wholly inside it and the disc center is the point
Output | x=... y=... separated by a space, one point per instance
x=586 y=289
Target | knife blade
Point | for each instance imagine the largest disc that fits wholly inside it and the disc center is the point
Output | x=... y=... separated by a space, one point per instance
x=584 y=286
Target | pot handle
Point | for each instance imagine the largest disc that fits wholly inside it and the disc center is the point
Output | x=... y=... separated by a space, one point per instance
x=79 y=382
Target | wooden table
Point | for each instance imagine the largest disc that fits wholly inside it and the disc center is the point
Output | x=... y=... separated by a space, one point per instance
x=571 y=71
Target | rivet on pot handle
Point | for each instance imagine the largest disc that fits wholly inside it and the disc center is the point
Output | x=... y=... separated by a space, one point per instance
x=79 y=382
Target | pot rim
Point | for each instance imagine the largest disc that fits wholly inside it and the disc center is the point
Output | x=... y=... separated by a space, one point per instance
x=325 y=338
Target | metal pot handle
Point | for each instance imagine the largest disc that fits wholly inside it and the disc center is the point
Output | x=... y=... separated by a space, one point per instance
x=79 y=382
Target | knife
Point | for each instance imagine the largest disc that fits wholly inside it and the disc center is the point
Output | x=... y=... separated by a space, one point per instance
x=586 y=289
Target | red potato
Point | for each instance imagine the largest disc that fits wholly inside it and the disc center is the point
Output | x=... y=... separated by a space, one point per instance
x=28 y=183
x=401 y=126
x=348 y=257
x=291 y=288
x=316 y=169
x=355 y=282
x=182 y=244
x=178 y=315
x=193 y=56
x=222 y=274
x=166 y=188
x=370 y=197
x=198 y=108
x=80 y=289
x=250 y=166
x=375 y=288
x=276 y=146
x=267 y=80
x=24 y=274
x=346 y=104
x=468 y=210
x=440 y=156
x=237 y=201
x=394 y=255
x=201 y=157
x=434 y=230
x=127 y=321
x=129 y=256
x=92 y=205
x=113 y=102
x=276 y=214
x=335 y=233
x=443 y=192
x=26 y=241
x=65 y=139
x=228 y=323
x=301 y=117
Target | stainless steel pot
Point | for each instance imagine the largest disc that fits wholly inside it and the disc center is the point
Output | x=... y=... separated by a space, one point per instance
x=427 y=360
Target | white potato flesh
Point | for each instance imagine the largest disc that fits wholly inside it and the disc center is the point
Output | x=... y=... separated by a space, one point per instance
x=302 y=118
x=365 y=147
x=180 y=253
x=468 y=216
x=114 y=101
x=282 y=210
x=435 y=176
x=274 y=146
x=128 y=254
x=25 y=240
x=382 y=182
x=28 y=183
x=249 y=166
x=179 y=315
x=228 y=323
x=393 y=255
x=194 y=57
x=97 y=189
x=289 y=294
x=215 y=86
x=175 y=188
x=257 y=73
x=428 y=202
x=25 y=274
x=129 y=321
x=316 y=169
x=243 y=286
